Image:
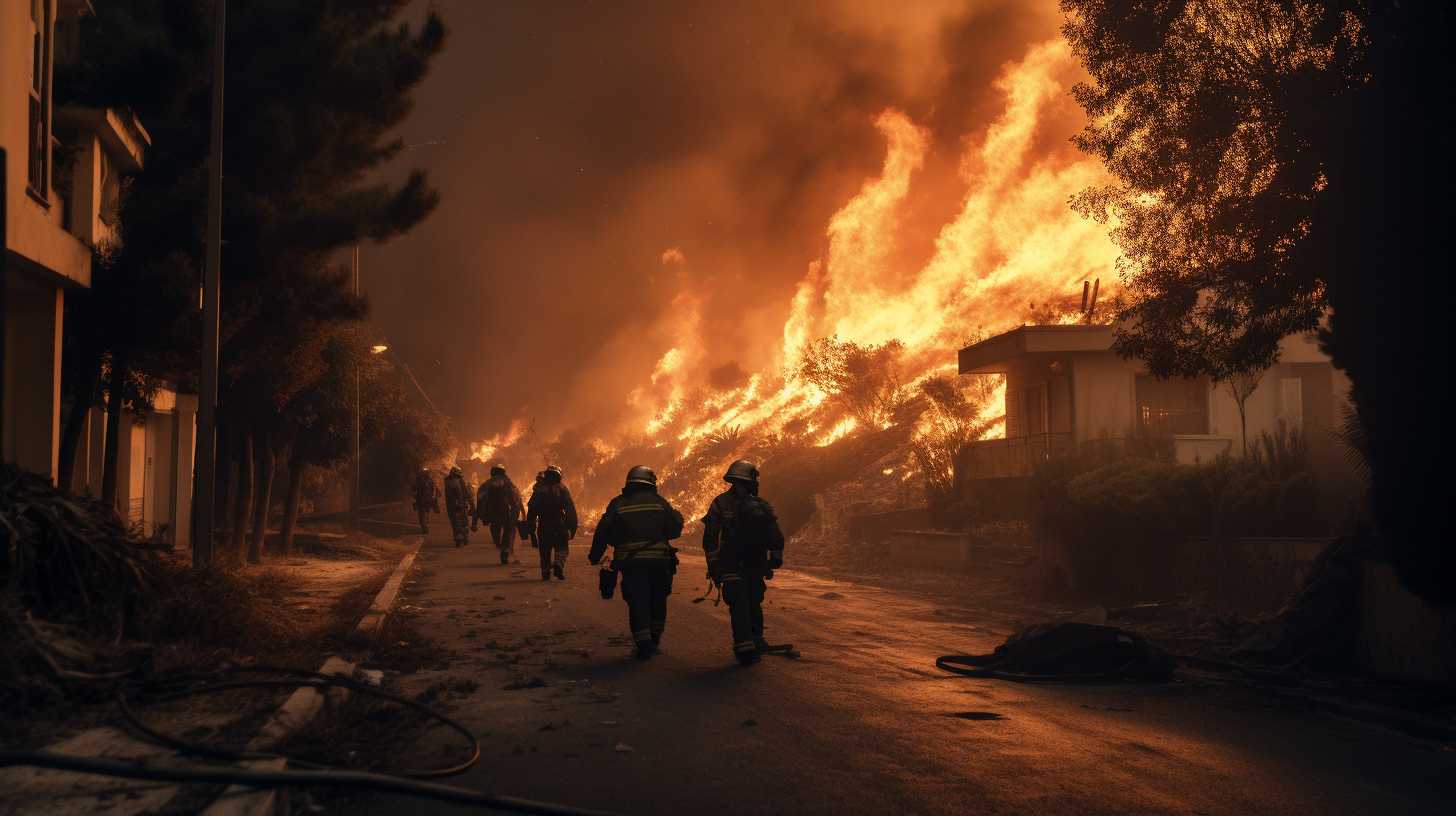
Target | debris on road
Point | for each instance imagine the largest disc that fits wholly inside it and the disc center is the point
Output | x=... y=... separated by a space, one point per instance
x=1067 y=651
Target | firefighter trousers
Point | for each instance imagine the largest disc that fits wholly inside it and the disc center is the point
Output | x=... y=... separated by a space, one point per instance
x=551 y=545
x=645 y=589
x=744 y=596
x=503 y=535
x=424 y=513
x=460 y=526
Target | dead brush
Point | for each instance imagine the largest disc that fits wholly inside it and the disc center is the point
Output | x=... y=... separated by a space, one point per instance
x=68 y=559
x=235 y=609
x=74 y=583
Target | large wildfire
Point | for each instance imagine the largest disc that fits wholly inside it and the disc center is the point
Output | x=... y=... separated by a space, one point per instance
x=1013 y=242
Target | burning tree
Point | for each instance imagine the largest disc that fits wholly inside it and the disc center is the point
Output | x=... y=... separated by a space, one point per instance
x=866 y=379
x=954 y=417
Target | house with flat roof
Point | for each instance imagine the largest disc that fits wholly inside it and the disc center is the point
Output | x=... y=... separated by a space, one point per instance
x=1066 y=389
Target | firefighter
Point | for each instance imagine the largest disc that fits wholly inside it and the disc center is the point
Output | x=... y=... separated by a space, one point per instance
x=498 y=504
x=427 y=498
x=743 y=544
x=460 y=504
x=638 y=525
x=551 y=522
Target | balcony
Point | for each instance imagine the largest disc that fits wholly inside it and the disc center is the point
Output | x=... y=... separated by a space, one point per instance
x=1012 y=457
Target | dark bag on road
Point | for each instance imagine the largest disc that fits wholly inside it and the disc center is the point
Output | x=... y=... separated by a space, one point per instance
x=1068 y=651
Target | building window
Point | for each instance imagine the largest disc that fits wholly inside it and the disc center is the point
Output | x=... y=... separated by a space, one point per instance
x=38 y=135
x=1172 y=407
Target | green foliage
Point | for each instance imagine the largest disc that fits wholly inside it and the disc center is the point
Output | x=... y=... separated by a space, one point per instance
x=1206 y=114
x=1118 y=513
x=866 y=379
x=1275 y=158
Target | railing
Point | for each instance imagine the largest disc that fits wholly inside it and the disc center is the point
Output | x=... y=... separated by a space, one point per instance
x=1016 y=456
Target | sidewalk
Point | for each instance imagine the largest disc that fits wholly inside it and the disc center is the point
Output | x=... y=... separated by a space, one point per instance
x=318 y=598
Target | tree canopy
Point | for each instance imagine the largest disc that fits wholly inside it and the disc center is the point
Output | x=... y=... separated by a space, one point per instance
x=1278 y=164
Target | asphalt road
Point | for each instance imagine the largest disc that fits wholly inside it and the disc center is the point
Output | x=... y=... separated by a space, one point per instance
x=863 y=723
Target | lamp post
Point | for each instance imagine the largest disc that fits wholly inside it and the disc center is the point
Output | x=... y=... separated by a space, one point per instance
x=354 y=468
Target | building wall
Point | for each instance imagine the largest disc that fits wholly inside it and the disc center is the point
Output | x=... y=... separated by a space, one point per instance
x=1303 y=389
x=34 y=229
x=1102 y=395
x=32 y=387
x=155 y=462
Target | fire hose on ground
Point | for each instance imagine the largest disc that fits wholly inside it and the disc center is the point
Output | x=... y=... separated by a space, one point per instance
x=177 y=686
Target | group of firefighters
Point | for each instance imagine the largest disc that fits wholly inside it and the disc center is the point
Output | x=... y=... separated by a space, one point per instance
x=741 y=541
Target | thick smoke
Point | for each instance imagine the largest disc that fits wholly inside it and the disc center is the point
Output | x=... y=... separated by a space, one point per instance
x=583 y=141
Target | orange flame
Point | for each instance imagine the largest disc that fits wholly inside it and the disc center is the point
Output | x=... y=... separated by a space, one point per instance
x=1012 y=240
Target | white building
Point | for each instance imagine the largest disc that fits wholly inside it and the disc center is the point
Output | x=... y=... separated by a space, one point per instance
x=1066 y=389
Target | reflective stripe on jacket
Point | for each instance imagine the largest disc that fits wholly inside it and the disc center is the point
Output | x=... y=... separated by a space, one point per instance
x=637 y=525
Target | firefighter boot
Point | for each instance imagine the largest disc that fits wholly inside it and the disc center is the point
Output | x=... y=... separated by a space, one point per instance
x=558 y=572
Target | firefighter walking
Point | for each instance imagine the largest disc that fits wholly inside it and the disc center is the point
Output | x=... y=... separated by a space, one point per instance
x=637 y=525
x=427 y=498
x=460 y=504
x=744 y=545
x=498 y=505
x=551 y=522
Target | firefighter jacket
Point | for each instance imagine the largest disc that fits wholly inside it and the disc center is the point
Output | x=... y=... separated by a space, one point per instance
x=458 y=498
x=551 y=509
x=427 y=493
x=498 y=501
x=741 y=536
x=637 y=526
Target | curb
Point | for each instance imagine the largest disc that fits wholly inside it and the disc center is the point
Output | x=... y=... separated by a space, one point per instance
x=300 y=708
x=368 y=629
x=304 y=704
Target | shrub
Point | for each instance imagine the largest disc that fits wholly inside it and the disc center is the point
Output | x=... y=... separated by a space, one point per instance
x=1118 y=516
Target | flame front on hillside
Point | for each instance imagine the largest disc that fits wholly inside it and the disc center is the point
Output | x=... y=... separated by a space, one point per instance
x=1012 y=241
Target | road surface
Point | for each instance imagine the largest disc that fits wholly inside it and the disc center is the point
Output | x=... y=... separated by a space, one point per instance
x=863 y=723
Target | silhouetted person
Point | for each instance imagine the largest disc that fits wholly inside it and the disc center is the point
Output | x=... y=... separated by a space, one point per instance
x=744 y=545
x=638 y=525
x=498 y=504
x=427 y=498
x=460 y=504
x=551 y=521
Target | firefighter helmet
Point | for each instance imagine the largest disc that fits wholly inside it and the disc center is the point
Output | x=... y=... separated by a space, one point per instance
x=497 y=470
x=456 y=471
x=552 y=473
x=742 y=471
x=642 y=474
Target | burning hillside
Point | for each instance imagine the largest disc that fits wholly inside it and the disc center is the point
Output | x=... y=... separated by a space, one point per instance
x=865 y=330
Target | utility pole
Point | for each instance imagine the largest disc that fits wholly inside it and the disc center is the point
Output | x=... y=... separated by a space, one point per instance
x=358 y=422
x=205 y=492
